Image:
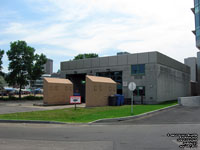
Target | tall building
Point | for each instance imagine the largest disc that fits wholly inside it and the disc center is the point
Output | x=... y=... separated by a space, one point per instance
x=48 y=67
x=196 y=11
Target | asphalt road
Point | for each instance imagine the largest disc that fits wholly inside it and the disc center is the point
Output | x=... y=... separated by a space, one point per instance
x=175 y=115
x=146 y=133
x=92 y=137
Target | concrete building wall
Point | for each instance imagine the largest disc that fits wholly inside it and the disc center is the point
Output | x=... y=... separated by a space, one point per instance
x=161 y=73
x=171 y=83
x=193 y=101
x=192 y=63
x=198 y=66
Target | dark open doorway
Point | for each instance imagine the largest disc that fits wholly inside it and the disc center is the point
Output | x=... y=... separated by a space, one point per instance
x=78 y=81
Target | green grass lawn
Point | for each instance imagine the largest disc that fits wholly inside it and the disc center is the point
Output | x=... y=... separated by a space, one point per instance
x=83 y=115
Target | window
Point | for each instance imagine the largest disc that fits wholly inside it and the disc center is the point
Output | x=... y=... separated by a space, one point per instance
x=196 y=2
x=138 y=69
x=196 y=9
x=139 y=91
x=197 y=21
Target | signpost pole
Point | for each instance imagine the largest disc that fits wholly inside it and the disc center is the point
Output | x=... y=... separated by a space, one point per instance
x=132 y=104
x=132 y=87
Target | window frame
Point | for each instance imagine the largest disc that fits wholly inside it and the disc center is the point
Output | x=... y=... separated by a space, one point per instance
x=140 y=69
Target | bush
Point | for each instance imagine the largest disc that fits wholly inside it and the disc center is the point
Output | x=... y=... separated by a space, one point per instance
x=23 y=98
x=32 y=98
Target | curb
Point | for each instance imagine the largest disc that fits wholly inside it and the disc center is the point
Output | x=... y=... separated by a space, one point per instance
x=31 y=121
x=131 y=117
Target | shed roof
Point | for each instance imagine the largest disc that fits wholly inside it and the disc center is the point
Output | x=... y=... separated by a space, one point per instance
x=58 y=80
x=100 y=79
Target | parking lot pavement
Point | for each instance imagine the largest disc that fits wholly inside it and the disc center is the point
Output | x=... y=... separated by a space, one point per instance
x=176 y=115
x=27 y=106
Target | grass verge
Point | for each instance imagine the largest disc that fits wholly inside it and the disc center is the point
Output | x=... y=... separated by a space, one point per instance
x=84 y=115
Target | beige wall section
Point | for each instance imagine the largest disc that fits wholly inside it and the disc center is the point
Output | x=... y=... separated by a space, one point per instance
x=98 y=89
x=57 y=91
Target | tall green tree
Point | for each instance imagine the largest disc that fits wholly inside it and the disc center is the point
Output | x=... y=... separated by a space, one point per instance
x=1 y=56
x=83 y=56
x=2 y=80
x=37 y=68
x=23 y=64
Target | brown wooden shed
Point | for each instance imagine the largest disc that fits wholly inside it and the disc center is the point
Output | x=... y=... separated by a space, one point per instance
x=57 y=91
x=98 y=89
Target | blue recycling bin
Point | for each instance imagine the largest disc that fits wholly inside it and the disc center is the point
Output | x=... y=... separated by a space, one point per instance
x=77 y=94
x=122 y=99
x=118 y=99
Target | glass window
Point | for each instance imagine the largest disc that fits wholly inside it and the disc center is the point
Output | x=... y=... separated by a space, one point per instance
x=197 y=38
x=196 y=9
x=139 y=91
x=141 y=69
x=198 y=32
x=196 y=2
x=197 y=21
x=138 y=69
x=134 y=69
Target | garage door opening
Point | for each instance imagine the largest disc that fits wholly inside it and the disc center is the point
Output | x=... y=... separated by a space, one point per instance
x=78 y=81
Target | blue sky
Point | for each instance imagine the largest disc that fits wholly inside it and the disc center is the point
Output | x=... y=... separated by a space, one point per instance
x=62 y=29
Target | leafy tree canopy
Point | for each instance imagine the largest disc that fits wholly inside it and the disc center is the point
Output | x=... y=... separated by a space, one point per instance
x=24 y=65
x=83 y=56
x=1 y=62
x=2 y=82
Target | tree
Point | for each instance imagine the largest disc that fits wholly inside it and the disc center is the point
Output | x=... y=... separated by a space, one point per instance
x=38 y=68
x=23 y=65
x=1 y=56
x=2 y=81
x=82 y=56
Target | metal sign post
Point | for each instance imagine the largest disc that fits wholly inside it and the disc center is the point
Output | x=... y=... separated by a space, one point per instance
x=132 y=87
x=75 y=100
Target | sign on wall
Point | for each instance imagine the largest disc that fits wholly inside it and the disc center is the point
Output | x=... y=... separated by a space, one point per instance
x=75 y=99
x=125 y=83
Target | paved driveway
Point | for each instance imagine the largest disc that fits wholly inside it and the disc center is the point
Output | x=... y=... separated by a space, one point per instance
x=27 y=106
x=175 y=115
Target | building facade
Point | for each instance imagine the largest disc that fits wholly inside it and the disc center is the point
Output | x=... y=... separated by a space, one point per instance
x=196 y=11
x=192 y=63
x=158 y=77
x=48 y=67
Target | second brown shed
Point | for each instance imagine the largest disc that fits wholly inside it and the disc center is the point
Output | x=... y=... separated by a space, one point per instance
x=57 y=91
x=98 y=89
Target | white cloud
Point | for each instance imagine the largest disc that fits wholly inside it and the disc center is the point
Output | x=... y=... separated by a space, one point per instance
x=78 y=26
x=16 y=28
